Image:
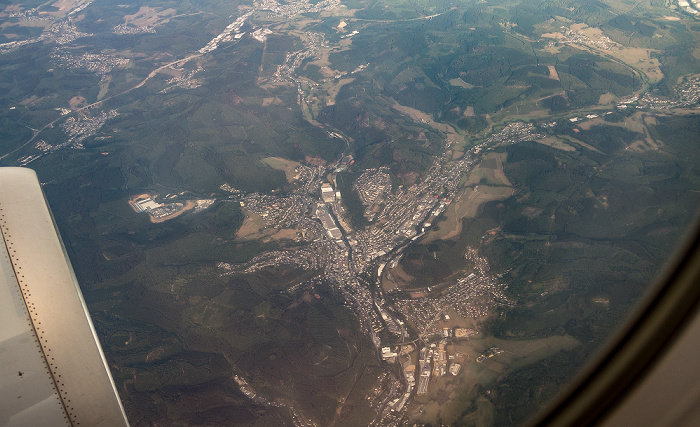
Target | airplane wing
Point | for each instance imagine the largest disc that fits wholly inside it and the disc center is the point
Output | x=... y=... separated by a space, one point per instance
x=52 y=369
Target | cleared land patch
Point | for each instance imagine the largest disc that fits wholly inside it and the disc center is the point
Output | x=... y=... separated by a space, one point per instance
x=254 y=228
x=467 y=207
x=77 y=102
x=149 y=16
x=396 y=278
x=588 y=124
x=104 y=87
x=555 y=143
x=286 y=166
x=461 y=83
x=270 y=101
x=64 y=6
x=581 y=143
x=490 y=171
x=606 y=99
x=489 y=183
x=422 y=117
x=334 y=88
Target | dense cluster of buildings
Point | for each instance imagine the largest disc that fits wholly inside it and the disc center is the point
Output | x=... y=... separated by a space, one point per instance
x=280 y=212
x=328 y=223
x=42 y=146
x=230 y=33
x=346 y=258
x=690 y=6
x=233 y=31
x=62 y=32
x=184 y=81
x=602 y=42
x=402 y=216
x=287 y=70
x=84 y=126
x=372 y=186
x=98 y=63
x=312 y=42
x=133 y=29
x=471 y=296
x=687 y=93
x=515 y=132
x=26 y=15
x=295 y=7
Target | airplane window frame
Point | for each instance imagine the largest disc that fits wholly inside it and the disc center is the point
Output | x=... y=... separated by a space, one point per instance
x=631 y=353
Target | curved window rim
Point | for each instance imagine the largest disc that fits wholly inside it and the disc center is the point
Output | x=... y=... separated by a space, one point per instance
x=646 y=336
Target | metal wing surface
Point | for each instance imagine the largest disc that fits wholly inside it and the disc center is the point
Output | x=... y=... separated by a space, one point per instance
x=52 y=369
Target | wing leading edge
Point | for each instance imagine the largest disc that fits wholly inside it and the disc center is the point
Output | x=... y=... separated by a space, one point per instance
x=52 y=368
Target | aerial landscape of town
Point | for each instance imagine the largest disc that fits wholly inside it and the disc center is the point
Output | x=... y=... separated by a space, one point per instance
x=356 y=212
